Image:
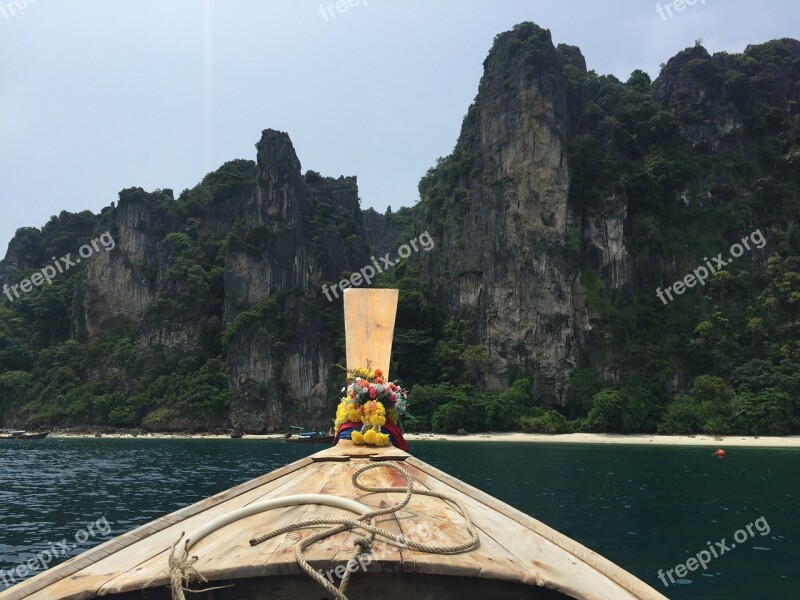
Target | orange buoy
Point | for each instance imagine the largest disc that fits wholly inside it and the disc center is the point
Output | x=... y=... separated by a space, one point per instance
x=720 y=453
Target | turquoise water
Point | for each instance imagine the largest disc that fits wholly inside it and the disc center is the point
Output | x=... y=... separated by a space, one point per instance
x=645 y=508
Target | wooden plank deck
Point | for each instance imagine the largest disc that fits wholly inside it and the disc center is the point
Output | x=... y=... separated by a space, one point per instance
x=513 y=546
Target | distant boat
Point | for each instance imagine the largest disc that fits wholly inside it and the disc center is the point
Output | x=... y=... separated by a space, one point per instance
x=16 y=434
x=309 y=437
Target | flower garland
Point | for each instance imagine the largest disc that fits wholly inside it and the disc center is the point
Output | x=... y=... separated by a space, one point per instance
x=370 y=402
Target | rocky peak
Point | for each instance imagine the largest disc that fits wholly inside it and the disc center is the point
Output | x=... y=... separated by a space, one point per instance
x=714 y=95
x=571 y=57
x=684 y=77
x=281 y=194
x=276 y=153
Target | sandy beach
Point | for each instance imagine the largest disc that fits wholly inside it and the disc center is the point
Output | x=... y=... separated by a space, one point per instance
x=159 y=436
x=614 y=438
x=569 y=438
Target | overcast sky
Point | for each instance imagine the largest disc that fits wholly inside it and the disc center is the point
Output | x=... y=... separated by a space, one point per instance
x=100 y=95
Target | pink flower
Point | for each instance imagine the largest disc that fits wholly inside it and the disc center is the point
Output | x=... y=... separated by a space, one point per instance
x=373 y=393
x=393 y=398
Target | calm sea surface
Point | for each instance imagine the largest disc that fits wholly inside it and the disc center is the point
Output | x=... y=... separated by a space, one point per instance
x=645 y=508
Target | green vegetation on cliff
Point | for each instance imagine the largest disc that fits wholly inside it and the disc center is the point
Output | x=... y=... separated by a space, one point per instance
x=53 y=373
x=704 y=156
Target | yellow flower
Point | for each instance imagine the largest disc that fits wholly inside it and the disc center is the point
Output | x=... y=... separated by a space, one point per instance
x=369 y=436
x=374 y=414
x=378 y=420
x=391 y=416
x=348 y=411
x=381 y=439
x=357 y=438
x=361 y=372
x=341 y=415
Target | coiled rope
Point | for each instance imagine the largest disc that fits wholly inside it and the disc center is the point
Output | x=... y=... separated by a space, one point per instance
x=182 y=566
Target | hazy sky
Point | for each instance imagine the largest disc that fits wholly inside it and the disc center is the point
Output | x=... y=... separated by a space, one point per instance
x=100 y=95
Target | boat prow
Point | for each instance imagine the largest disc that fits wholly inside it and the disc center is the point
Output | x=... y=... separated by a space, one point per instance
x=515 y=556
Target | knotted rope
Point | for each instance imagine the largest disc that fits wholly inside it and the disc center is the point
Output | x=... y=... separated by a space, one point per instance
x=183 y=570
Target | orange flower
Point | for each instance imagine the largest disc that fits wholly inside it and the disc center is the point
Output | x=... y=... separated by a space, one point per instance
x=378 y=373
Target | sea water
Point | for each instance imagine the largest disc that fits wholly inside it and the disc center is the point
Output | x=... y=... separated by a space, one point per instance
x=646 y=508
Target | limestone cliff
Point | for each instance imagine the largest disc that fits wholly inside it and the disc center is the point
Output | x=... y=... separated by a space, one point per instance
x=499 y=206
x=308 y=230
x=568 y=199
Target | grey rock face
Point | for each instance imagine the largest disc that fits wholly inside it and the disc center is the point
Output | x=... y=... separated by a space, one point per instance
x=120 y=285
x=604 y=240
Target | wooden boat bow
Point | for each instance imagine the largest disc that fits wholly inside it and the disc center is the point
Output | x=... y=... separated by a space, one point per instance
x=518 y=557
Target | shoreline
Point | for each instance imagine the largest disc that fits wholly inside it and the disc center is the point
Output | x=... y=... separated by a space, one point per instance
x=566 y=438
x=633 y=439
